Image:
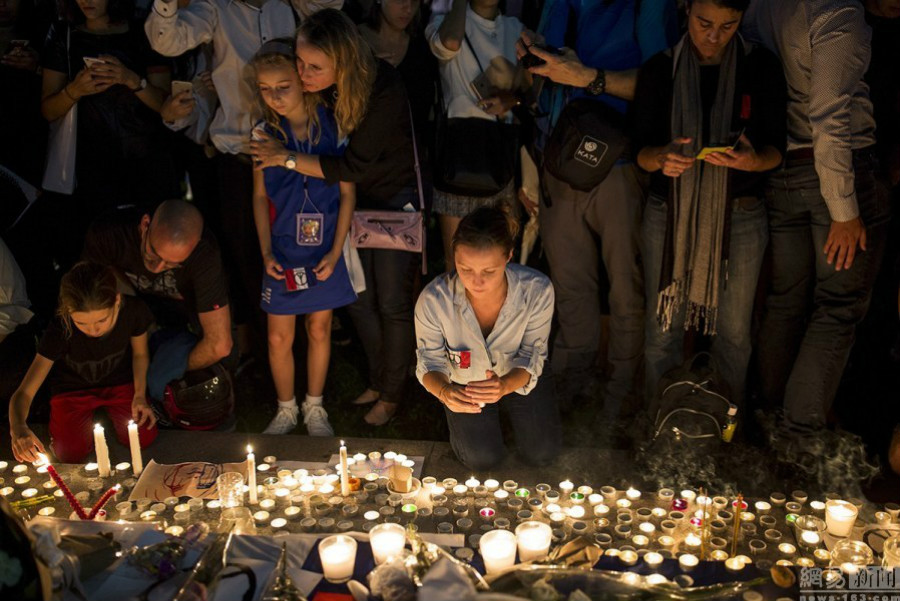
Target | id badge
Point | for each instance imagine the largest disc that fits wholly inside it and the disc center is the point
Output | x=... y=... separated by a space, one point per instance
x=299 y=278
x=309 y=229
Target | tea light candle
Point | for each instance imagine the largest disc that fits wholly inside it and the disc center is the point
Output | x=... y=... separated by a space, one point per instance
x=628 y=557
x=20 y=469
x=817 y=507
x=214 y=504
x=679 y=504
x=498 y=549
x=576 y=498
x=734 y=564
x=787 y=549
x=148 y=516
x=692 y=542
x=3 y=466
x=840 y=516
x=371 y=516
x=282 y=495
x=487 y=514
x=292 y=512
x=508 y=485
x=601 y=510
x=665 y=541
x=609 y=493
x=533 y=540
x=326 y=489
x=762 y=507
x=45 y=511
x=22 y=480
x=566 y=487
x=688 y=495
x=338 y=556
x=278 y=523
x=7 y=490
x=522 y=493
x=688 y=562
x=632 y=494
x=623 y=503
x=653 y=559
x=29 y=492
x=175 y=530
x=492 y=485
x=576 y=511
x=595 y=499
x=261 y=517
x=810 y=538
x=49 y=484
x=460 y=490
x=647 y=528
x=472 y=482
x=267 y=504
x=640 y=541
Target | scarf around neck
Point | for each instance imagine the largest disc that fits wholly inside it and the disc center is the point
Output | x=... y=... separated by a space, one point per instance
x=698 y=213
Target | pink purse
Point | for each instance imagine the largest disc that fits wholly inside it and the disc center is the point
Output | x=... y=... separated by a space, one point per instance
x=393 y=230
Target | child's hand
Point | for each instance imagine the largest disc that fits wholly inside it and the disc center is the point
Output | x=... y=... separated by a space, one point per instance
x=141 y=413
x=273 y=267
x=267 y=151
x=25 y=444
x=325 y=267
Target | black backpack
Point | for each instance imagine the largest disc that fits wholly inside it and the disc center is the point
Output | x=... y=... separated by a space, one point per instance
x=585 y=144
x=692 y=404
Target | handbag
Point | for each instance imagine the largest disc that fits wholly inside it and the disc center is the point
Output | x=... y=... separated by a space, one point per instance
x=585 y=144
x=474 y=156
x=59 y=173
x=393 y=230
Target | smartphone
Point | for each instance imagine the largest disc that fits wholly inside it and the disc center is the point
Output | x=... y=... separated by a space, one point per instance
x=16 y=45
x=708 y=150
x=90 y=61
x=532 y=60
x=482 y=87
x=181 y=86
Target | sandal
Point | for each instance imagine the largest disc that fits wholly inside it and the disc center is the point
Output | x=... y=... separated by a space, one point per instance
x=381 y=413
x=368 y=396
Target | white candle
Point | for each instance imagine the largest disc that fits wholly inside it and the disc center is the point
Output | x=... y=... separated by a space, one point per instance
x=103 y=466
x=688 y=562
x=811 y=538
x=345 y=472
x=633 y=494
x=533 y=539
x=251 y=476
x=472 y=482
x=566 y=487
x=387 y=541
x=135 y=443
x=498 y=549
x=492 y=485
x=338 y=556
x=840 y=517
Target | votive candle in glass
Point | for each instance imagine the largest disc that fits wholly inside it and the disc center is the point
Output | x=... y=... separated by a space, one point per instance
x=338 y=556
x=498 y=549
x=387 y=541
x=533 y=540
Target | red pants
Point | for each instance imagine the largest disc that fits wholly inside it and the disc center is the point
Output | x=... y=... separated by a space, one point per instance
x=72 y=420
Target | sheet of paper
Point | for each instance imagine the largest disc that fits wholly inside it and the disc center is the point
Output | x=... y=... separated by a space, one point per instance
x=191 y=479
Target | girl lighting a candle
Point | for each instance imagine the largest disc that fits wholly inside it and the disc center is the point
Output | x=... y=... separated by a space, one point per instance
x=97 y=351
x=481 y=335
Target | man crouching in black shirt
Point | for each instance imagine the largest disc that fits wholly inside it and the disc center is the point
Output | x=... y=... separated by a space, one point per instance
x=173 y=263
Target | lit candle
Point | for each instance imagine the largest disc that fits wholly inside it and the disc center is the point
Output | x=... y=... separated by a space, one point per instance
x=45 y=511
x=840 y=517
x=267 y=504
x=688 y=562
x=576 y=512
x=566 y=487
x=175 y=530
x=103 y=466
x=653 y=559
x=533 y=540
x=20 y=469
x=29 y=492
x=261 y=517
x=338 y=556
x=345 y=472
x=135 y=443
x=491 y=484
x=498 y=549
x=278 y=523
x=251 y=476
x=633 y=494
x=472 y=482
x=387 y=541
x=292 y=512
x=808 y=537
x=22 y=480
x=734 y=564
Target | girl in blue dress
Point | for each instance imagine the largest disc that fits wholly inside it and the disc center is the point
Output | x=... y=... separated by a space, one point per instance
x=302 y=223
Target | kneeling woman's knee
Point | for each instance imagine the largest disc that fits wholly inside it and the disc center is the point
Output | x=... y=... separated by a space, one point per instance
x=480 y=457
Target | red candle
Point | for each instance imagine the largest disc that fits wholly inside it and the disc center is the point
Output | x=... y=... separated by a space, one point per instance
x=103 y=500
x=76 y=506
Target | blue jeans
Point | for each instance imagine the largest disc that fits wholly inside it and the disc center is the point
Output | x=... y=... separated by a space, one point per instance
x=731 y=346
x=812 y=310
x=477 y=440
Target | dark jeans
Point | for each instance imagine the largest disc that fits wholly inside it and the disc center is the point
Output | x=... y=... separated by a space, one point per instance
x=477 y=440
x=732 y=344
x=811 y=309
x=233 y=223
x=383 y=317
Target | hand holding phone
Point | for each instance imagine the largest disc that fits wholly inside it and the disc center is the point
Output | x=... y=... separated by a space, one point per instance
x=531 y=60
x=181 y=86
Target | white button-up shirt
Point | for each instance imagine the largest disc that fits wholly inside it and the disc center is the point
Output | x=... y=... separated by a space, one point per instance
x=449 y=339
x=237 y=30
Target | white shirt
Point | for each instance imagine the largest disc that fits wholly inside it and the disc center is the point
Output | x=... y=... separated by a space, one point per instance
x=458 y=68
x=449 y=339
x=14 y=301
x=236 y=30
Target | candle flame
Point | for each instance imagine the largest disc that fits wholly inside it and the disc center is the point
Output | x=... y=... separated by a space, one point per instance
x=131 y=422
x=41 y=460
x=342 y=443
x=98 y=427
x=249 y=449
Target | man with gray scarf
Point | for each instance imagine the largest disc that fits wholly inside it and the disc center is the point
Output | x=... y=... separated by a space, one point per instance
x=827 y=212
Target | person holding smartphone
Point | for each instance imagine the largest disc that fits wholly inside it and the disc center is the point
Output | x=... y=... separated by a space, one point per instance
x=705 y=228
x=302 y=223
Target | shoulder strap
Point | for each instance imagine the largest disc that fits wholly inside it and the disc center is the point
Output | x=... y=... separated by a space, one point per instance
x=69 y=50
x=472 y=50
x=412 y=127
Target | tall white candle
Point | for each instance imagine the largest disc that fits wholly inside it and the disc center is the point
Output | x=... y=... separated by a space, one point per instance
x=251 y=475
x=137 y=462
x=345 y=472
x=103 y=466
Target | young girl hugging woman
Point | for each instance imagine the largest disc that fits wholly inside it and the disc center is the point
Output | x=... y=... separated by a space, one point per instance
x=97 y=351
x=302 y=222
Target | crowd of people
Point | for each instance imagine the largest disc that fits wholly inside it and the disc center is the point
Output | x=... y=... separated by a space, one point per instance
x=239 y=164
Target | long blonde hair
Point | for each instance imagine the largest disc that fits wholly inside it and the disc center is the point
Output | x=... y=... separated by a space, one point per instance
x=332 y=32
x=280 y=53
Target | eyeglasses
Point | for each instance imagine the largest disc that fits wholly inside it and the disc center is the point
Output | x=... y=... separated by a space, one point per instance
x=151 y=256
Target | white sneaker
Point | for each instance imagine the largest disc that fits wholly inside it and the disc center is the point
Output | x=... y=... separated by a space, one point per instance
x=284 y=421
x=316 y=419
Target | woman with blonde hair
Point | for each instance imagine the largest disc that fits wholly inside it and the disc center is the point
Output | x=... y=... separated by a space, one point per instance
x=370 y=106
x=302 y=223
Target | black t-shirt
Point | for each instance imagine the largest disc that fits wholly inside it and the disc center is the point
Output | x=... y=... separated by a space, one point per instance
x=760 y=101
x=197 y=286
x=82 y=362
x=379 y=156
x=114 y=126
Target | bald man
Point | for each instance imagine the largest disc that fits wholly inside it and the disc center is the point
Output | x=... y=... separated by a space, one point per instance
x=174 y=263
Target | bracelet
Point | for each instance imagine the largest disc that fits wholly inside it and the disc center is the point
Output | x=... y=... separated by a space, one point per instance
x=66 y=92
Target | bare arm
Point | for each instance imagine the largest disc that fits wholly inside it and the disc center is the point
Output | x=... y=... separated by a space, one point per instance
x=141 y=413
x=453 y=27
x=25 y=445
x=216 y=341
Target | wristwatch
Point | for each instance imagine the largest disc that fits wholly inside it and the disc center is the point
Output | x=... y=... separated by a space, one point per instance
x=141 y=86
x=598 y=86
x=291 y=161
